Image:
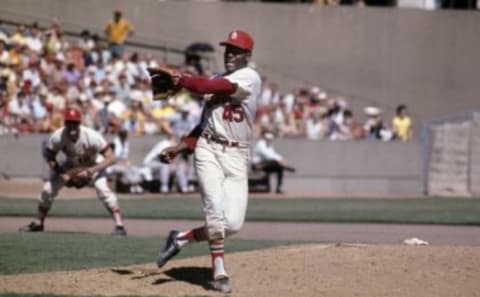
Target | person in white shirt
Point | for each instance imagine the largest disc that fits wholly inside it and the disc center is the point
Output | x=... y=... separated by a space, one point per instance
x=163 y=170
x=128 y=173
x=267 y=159
x=83 y=148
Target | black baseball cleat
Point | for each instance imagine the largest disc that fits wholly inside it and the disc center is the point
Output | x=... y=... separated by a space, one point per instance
x=170 y=249
x=119 y=231
x=32 y=227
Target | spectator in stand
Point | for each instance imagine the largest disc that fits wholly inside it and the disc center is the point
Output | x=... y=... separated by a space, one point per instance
x=20 y=112
x=316 y=125
x=32 y=73
x=134 y=118
x=19 y=107
x=19 y=36
x=374 y=126
x=57 y=73
x=122 y=88
x=4 y=54
x=117 y=31
x=348 y=129
x=267 y=159
x=40 y=110
x=4 y=80
x=34 y=39
x=286 y=125
x=402 y=124
x=71 y=74
x=86 y=42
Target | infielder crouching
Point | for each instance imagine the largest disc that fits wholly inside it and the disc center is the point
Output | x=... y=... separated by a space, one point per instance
x=88 y=154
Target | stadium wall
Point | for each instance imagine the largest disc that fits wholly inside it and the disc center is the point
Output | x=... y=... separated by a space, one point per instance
x=352 y=168
x=375 y=56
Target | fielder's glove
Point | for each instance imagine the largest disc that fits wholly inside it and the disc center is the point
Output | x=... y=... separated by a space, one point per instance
x=75 y=179
x=164 y=82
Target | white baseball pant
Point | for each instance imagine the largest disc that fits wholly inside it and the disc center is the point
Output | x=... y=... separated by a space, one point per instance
x=222 y=176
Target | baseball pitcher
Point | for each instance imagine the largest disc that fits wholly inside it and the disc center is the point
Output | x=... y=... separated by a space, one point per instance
x=221 y=150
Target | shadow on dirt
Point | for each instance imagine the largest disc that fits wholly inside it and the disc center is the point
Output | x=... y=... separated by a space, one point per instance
x=199 y=276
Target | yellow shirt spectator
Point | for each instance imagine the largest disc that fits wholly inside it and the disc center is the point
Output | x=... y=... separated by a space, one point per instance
x=118 y=31
x=402 y=124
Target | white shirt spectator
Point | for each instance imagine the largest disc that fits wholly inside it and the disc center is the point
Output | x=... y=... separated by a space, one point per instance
x=289 y=100
x=39 y=110
x=265 y=152
x=32 y=75
x=19 y=107
x=34 y=43
x=314 y=129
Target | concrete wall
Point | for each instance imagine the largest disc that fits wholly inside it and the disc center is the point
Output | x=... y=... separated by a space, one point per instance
x=354 y=168
x=426 y=59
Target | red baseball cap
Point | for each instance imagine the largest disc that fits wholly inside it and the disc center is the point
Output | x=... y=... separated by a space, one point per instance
x=240 y=39
x=72 y=115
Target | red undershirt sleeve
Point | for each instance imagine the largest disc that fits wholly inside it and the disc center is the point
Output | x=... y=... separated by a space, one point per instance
x=203 y=85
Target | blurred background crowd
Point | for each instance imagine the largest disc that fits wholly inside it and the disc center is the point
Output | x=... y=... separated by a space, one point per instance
x=42 y=72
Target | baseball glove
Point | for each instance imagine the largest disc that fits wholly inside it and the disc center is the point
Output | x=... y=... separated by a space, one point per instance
x=164 y=82
x=76 y=180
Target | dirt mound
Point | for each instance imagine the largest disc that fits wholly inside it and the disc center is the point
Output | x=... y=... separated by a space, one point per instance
x=309 y=270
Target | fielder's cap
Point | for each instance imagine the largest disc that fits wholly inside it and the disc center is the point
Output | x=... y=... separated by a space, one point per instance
x=72 y=115
x=240 y=39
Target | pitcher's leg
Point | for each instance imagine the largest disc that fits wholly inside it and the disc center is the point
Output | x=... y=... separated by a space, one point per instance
x=211 y=181
x=235 y=189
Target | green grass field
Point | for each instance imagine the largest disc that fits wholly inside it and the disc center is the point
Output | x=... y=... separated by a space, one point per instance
x=69 y=251
x=409 y=211
x=41 y=252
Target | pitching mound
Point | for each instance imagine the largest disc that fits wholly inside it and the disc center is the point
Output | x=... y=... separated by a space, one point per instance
x=311 y=270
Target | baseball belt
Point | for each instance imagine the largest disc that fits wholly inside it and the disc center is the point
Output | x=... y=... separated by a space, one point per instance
x=222 y=141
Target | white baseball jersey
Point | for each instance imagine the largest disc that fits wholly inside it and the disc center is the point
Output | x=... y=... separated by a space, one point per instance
x=84 y=152
x=233 y=118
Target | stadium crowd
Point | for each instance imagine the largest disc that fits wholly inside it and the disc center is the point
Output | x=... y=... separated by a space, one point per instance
x=41 y=73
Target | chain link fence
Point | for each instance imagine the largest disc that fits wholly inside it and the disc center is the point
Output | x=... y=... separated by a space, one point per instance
x=452 y=156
